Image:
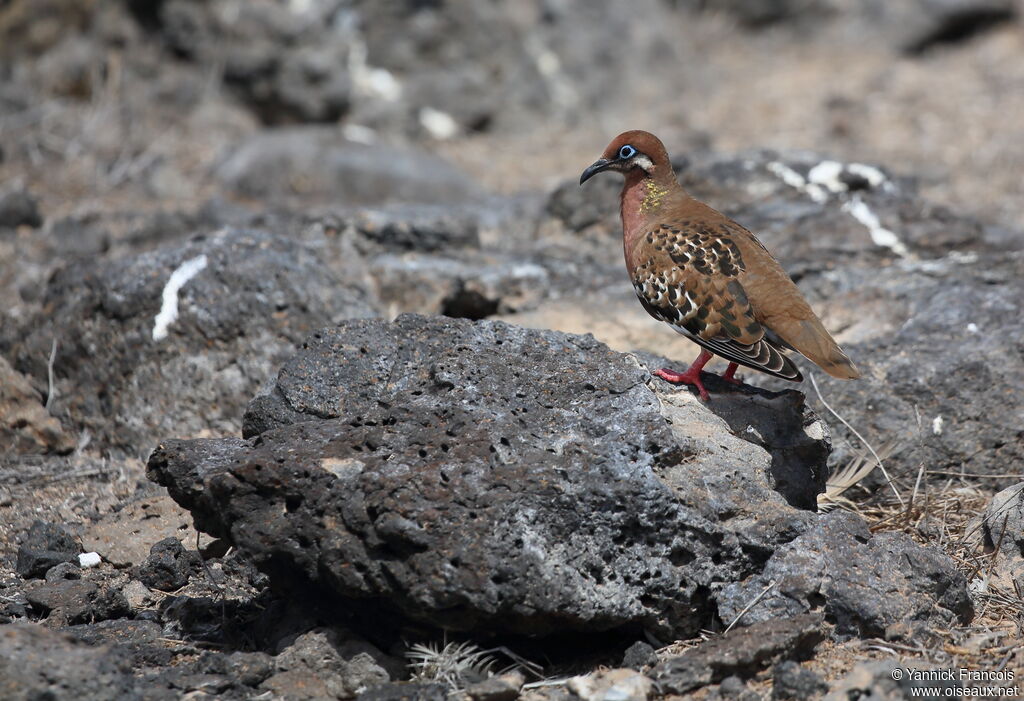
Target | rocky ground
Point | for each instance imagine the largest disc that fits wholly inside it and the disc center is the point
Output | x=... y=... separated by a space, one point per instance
x=320 y=376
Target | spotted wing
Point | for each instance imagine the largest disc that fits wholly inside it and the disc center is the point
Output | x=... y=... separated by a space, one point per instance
x=689 y=279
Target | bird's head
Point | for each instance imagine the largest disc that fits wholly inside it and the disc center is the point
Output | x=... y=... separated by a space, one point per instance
x=630 y=152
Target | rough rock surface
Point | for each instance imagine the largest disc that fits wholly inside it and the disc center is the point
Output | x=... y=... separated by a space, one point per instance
x=36 y=663
x=741 y=652
x=1002 y=532
x=169 y=566
x=45 y=545
x=580 y=500
x=862 y=582
x=318 y=164
x=909 y=25
x=790 y=681
x=252 y=296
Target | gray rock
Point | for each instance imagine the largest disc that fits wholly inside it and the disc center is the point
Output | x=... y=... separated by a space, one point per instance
x=910 y=25
x=322 y=664
x=36 y=663
x=45 y=545
x=742 y=652
x=19 y=208
x=169 y=566
x=313 y=164
x=791 y=681
x=78 y=601
x=1003 y=521
x=1002 y=532
x=639 y=655
x=238 y=317
x=381 y=423
x=64 y=570
x=862 y=582
x=406 y=691
x=503 y=687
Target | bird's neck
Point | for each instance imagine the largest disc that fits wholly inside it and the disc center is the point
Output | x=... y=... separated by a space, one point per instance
x=643 y=198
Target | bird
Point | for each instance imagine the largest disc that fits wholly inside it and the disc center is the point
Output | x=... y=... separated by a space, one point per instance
x=708 y=277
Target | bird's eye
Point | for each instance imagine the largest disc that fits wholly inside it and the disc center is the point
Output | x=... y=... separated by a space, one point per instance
x=626 y=151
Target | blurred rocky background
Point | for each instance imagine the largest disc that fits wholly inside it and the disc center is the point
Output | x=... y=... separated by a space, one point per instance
x=296 y=393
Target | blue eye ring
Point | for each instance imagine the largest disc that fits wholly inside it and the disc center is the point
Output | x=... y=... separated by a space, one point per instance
x=627 y=151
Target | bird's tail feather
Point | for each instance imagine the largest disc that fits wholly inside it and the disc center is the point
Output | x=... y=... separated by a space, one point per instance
x=810 y=338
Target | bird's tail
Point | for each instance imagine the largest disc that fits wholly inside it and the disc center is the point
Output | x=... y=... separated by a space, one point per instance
x=810 y=338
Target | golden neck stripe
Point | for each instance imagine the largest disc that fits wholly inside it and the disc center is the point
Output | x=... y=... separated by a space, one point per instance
x=655 y=194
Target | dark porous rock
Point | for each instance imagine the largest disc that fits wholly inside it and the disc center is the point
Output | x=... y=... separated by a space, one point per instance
x=314 y=164
x=247 y=668
x=129 y=371
x=639 y=655
x=406 y=691
x=463 y=287
x=759 y=13
x=19 y=208
x=169 y=566
x=912 y=26
x=790 y=681
x=36 y=663
x=426 y=228
x=861 y=582
x=64 y=570
x=137 y=638
x=78 y=601
x=45 y=545
x=485 y=476
x=503 y=687
x=742 y=652
x=322 y=664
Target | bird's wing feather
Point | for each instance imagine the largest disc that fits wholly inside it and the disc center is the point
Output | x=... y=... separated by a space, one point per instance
x=687 y=276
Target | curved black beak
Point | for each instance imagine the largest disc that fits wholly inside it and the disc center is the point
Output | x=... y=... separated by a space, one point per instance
x=595 y=168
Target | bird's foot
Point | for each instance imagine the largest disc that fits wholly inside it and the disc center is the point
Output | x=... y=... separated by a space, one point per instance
x=730 y=375
x=690 y=377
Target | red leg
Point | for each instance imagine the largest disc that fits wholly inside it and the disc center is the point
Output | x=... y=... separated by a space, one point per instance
x=690 y=377
x=729 y=375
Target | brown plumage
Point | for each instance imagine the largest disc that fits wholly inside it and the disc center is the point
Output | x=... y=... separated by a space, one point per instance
x=707 y=276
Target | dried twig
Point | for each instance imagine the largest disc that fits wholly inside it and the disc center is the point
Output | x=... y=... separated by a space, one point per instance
x=749 y=606
x=814 y=383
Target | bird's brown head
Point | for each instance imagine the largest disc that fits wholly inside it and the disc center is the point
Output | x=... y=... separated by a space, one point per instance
x=632 y=152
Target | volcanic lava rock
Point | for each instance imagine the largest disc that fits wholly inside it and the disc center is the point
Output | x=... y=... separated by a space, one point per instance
x=36 y=663
x=46 y=545
x=318 y=164
x=169 y=565
x=863 y=582
x=171 y=341
x=742 y=652
x=488 y=477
